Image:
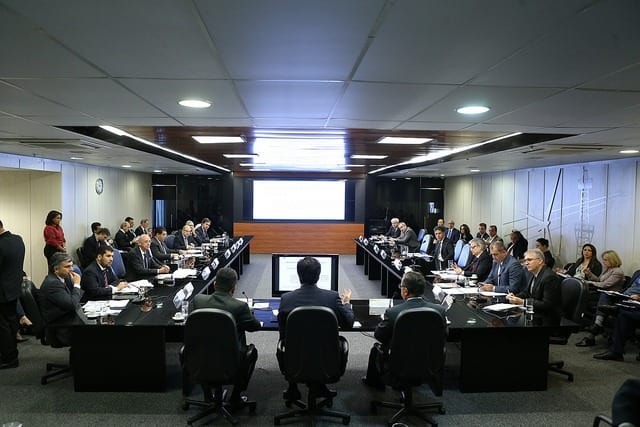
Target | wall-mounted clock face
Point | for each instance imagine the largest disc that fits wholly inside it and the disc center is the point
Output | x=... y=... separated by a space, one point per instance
x=99 y=186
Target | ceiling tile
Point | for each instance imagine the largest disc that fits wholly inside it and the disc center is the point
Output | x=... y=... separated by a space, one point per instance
x=626 y=79
x=362 y=124
x=17 y=101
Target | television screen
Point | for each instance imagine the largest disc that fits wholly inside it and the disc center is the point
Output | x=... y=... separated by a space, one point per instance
x=284 y=273
x=298 y=200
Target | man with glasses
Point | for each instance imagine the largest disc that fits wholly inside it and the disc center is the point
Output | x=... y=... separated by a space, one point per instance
x=480 y=264
x=543 y=288
x=507 y=275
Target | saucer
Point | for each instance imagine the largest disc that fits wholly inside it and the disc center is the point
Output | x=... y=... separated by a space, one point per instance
x=178 y=317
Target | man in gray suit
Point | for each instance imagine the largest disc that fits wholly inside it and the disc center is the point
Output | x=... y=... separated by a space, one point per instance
x=507 y=275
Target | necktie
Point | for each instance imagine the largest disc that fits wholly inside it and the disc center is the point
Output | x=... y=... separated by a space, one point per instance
x=449 y=234
x=106 y=280
x=499 y=269
x=146 y=260
x=533 y=282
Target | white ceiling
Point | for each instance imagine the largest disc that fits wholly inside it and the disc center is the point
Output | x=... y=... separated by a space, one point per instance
x=543 y=66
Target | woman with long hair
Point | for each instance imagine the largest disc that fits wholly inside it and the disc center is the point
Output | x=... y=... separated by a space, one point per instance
x=588 y=262
x=53 y=233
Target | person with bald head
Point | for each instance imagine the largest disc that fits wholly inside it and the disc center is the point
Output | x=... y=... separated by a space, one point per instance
x=394 y=230
x=185 y=239
x=140 y=262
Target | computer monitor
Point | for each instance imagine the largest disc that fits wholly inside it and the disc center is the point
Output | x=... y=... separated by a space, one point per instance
x=284 y=272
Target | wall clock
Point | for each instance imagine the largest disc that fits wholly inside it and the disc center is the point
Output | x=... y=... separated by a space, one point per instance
x=99 y=186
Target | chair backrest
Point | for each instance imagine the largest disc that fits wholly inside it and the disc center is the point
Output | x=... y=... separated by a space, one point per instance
x=30 y=304
x=118 y=264
x=80 y=255
x=426 y=242
x=458 y=249
x=212 y=353
x=312 y=349
x=417 y=349
x=169 y=240
x=574 y=296
x=421 y=234
x=465 y=255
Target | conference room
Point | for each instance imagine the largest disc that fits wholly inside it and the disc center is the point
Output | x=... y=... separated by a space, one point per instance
x=292 y=152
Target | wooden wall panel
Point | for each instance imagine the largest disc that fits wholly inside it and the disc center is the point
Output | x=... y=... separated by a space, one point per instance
x=300 y=237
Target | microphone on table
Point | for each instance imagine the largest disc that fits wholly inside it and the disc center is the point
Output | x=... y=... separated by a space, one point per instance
x=245 y=297
x=395 y=294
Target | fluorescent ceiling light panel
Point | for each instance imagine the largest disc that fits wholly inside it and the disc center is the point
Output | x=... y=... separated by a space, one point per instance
x=368 y=156
x=194 y=103
x=473 y=109
x=240 y=156
x=114 y=130
x=621 y=152
x=218 y=139
x=401 y=140
x=252 y=164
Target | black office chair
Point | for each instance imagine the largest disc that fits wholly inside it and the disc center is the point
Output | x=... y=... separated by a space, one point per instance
x=211 y=357
x=80 y=255
x=625 y=411
x=31 y=305
x=314 y=354
x=574 y=296
x=416 y=356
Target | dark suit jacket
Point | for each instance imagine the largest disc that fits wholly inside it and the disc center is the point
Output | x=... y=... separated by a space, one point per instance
x=90 y=250
x=512 y=276
x=160 y=251
x=518 y=248
x=393 y=232
x=245 y=321
x=179 y=243
x=548 y=259
x=123 y=240
x=480 y=266
x=384 y=330
x=93 y=284
x=135 y=266
x=139 y=231
x=410 y=239
x=484 y=236
x=312 y=295
x=545 y=293
x=58 y=303
x=131 y=234
x=453 y=235
x=201 y=236
x=11 y=266
x=447 y=253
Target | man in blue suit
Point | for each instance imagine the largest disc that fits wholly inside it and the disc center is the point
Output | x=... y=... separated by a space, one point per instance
x=452 y=234
x=98 y=280
x=507 y=275
x=310 y=294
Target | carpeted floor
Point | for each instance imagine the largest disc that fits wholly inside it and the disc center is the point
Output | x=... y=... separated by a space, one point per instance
x=23 y=399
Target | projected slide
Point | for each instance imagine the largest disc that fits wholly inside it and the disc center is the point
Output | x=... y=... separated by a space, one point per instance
x=301 y=200
x=288 y=273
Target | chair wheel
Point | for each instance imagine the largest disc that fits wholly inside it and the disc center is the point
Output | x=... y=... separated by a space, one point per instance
x=570 y=378
x=346 y=420
x=43 y=382
x=441 y=411
x=185 y=406
x=252 y=408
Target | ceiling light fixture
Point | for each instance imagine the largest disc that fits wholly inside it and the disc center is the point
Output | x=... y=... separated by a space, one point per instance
x=240 y=156
x=252 y=164
x=157 y=171
x=402 y=140
x=218 y=139
x=368 y=156
x=474 y=170
x=473 y=109
x=76 y=158
x=621 y=152
x=339 y=170
x=126 y=166
x=194 y=103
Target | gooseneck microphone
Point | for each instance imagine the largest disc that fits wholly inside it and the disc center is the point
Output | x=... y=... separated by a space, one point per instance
x=245 y=297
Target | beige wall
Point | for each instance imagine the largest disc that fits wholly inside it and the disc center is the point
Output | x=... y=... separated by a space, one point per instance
x=550 y=203
x=31 y=187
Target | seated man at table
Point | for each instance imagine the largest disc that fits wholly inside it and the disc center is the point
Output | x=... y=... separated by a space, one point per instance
x=185 y=239
x=60 y=296
x=310 y=294
x=140 y=262
x=142 y=228
x=543 y=288
x=407 y=237
x=159 y=248
x=91 y=245
x=98 y=279
x=507 y=275
x=123 y=239
x=201 y=234
x=480 y=264
x=394 y=230
x=222 y=298
x=412 y=289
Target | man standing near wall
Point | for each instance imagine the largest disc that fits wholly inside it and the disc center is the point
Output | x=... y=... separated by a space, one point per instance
x=11 y=263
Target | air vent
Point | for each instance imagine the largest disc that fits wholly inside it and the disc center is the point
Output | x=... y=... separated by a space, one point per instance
x=61 y=144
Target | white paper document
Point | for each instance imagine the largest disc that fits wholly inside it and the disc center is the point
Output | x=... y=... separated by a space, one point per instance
x=492 y=294
x=501 y=307
x=461 y=291
x=141 y=284
x=181 y=273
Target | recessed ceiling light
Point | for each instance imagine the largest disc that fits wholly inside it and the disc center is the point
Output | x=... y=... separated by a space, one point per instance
x=408 y=179
x=441 y=174
x=76 y=158
x=368 y=156
x=401 y=140
x=126 y=166
x=474 y=170
x=240 y=156
x=473 y=109
x=194 y=103
x=218 y=139
x=339 y=170
x=621 y=152
x=157 y=171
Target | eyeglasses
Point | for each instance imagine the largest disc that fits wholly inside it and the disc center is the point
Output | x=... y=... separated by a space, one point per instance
x=531 y=259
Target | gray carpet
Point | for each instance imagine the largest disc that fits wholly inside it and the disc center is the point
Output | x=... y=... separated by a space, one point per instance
x=563 y=404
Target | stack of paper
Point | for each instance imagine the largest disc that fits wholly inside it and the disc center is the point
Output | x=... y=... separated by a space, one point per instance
x=182 y=273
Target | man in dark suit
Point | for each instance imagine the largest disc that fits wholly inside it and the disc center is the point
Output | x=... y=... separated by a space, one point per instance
x=543 y=288
x=442 y=249
x=394 y=230
x=412 y=289
x=60 y=296
x=407 y=237
x=91 y=245
x=131 y=234
x=480 y=264
x=201 y=234
x=309 y=294
x=11 y=263
x=98 y=279
x=140 y=262
x=123 y=239
x=452 y=234
x=185 y=239
x=507 y=275
x=482 y=232
x=142 y=228
x=222 y=298
x=159 y=248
